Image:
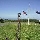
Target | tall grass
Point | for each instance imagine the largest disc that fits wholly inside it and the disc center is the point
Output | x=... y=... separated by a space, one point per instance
x=28 y=32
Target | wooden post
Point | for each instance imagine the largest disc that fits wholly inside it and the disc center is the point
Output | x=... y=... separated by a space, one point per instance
x=18 y=28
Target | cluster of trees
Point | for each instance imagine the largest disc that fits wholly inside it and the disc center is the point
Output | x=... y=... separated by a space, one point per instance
x=1 y=20
x=22 y=20
x=31 y=20
x=34 y=20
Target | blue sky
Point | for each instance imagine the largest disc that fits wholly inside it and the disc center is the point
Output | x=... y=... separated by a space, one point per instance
x=10 y=8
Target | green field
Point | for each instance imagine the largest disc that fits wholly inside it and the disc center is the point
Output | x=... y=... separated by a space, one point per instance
x=28 y=32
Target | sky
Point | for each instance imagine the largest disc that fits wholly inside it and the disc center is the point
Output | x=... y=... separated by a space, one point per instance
x=9 y=9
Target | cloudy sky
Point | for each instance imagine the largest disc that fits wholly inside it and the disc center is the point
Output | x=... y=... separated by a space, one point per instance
x=10 y=8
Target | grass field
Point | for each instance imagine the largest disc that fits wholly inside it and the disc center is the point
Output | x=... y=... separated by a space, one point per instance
x=28 y=32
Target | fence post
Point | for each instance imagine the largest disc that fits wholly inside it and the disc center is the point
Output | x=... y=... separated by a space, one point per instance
x=18 y=28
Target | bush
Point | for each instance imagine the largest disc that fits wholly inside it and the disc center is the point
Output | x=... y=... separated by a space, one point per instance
x=1 y=20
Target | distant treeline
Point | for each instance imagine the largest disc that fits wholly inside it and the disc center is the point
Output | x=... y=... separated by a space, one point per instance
x=31 y=20
x=22 y=20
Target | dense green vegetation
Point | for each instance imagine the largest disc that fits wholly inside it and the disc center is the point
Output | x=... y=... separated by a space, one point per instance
x=1 y=20
x=28 y=32
x=22 y=20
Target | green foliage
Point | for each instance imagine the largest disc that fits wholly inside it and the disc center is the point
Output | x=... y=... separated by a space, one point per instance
x=22 y=20
x=1 y=20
